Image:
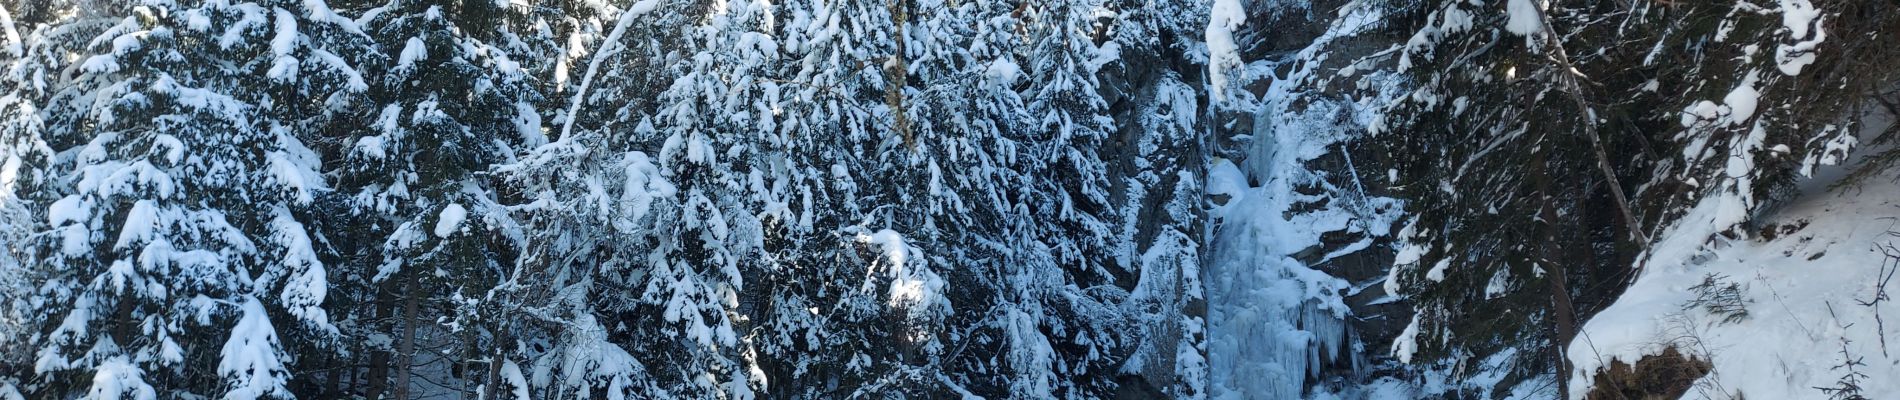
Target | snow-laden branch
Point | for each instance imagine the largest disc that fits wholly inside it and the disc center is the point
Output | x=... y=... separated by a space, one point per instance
x=609 y=48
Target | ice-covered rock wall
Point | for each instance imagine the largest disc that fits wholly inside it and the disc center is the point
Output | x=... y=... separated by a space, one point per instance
x=1288 y=203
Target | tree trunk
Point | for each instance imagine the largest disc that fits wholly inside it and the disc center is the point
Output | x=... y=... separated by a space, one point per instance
x=897 y=74
x=335 y=388
x=1567 y=75
x=492 y=389
x=1563 y=309
x=1566 y=316
x=406 y=351
x=379 y=358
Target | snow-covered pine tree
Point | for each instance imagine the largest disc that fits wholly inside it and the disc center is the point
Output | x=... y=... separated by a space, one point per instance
x=955 y=177
x=937 y=92
x=962 y=171
x=815 y=152
x=739 y=197
x=176 y=240
x=1068 y=120
x=839 y=267
x=26 y=188
x=1461 y=166
x=631 y=262
x=695 y=258
x=429 y=249
x=22 y=152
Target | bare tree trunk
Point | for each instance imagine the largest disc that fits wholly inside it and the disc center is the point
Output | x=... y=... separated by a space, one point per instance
x=492 y=387
x=379 y=358
x=1567 y=76
x=897 y=74
x=1563 y=309
x=406 y=351
x=1566 y=315
x=335 y=388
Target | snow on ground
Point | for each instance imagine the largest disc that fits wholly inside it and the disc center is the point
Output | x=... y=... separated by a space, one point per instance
x=1803 y=290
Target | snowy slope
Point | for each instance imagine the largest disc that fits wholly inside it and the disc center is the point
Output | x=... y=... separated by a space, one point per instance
x=1803 y=292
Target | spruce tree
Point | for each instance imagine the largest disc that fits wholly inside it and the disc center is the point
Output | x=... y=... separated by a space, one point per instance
x=428 y=245
x=177 y=240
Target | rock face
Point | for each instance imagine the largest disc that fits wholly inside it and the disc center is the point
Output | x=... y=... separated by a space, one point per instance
x=1158 y=155
x=1301 y=215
